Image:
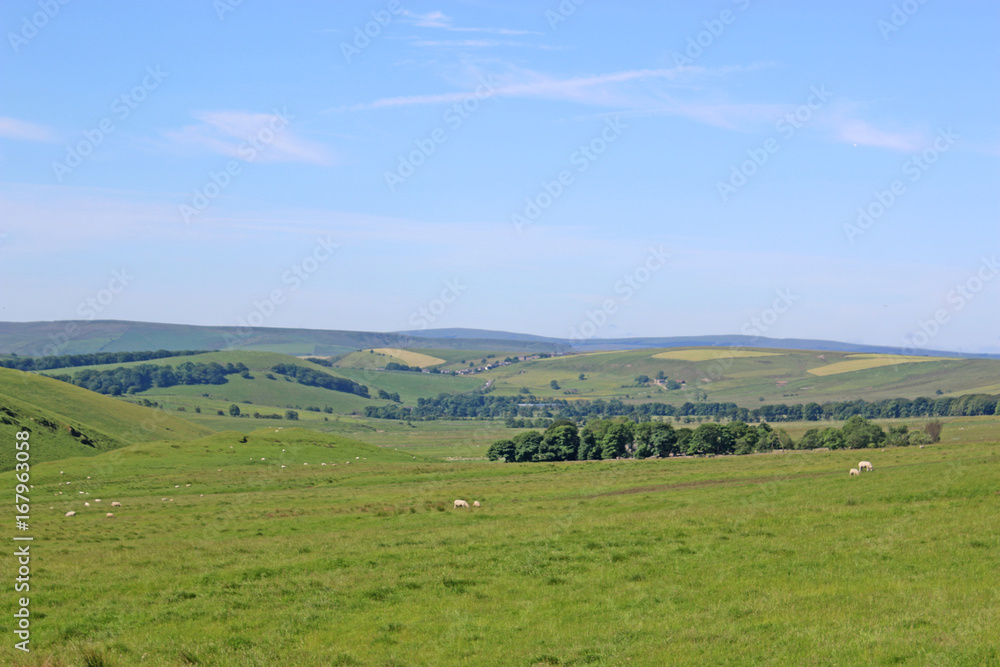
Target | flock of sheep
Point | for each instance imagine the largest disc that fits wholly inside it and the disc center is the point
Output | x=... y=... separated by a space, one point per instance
x=462 y=503
x=863 y=466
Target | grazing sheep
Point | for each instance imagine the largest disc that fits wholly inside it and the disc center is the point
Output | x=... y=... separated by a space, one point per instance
x=110 y=515
x=865 y=465
x=86 y=504
x=116 y=504
x=70 y=513
x=475 y=503
x=461 y=503
x=855 y=471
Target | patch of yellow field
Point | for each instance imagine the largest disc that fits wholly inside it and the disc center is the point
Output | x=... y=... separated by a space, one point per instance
x=411 y=358
x=712 y=353
x=863 y=362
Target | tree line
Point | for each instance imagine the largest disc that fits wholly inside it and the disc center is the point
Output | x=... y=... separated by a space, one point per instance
x=623 y=438
x=312 y=378
x=92 y=359
x=133 y=379
x=483 y=406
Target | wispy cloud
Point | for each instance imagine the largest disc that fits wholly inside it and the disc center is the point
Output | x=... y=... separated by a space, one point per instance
x=634 y=92
x=863 y=133
x=11 y=128
x=588 y=89
x=483 y=44
x=238 y=133
x=444 y=22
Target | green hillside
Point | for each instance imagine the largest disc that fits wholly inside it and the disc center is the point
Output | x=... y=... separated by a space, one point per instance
x=267 y=395
x=69 y=421
x=776 y=376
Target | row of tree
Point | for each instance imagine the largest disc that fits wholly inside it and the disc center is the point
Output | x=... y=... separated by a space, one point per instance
x=395 y=366
x=482 y=406
x=313 y=378
x=133 y=379
x=623 y=438
x=91 y=359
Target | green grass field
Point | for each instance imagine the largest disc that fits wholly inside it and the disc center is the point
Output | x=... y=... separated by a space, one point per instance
x=768 y=559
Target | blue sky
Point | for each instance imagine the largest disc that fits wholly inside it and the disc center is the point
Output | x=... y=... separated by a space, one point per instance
x=598 y=169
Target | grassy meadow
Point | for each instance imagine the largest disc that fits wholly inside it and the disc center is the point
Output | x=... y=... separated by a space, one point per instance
x=779 y=558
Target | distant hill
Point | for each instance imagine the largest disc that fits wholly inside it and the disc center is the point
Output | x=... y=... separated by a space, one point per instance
x=80 y=336
x=65 y=420
x=740 y=341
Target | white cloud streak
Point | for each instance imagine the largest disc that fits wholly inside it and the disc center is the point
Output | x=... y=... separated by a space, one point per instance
x=12 y=128
x=232 y=133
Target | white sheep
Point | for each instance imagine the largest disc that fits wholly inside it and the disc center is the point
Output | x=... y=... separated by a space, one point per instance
x=70 y=513
x=865 y=465
x=461 y=503
x=475 y=503
x=110 y=515
x=855 y=471
x=116 y=504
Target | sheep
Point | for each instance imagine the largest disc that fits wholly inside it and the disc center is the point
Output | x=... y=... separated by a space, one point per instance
x=475 y=503
x=70 y=514
x=461 y=503
x=116 y=504
x=855 y=471
x=86 y=504
x=865 y=465
x=110 y=515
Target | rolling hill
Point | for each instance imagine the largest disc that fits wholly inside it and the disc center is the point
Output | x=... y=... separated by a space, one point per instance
x=69 y=421
x=80 y=336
